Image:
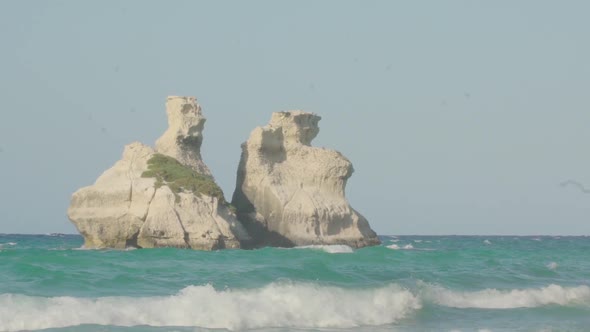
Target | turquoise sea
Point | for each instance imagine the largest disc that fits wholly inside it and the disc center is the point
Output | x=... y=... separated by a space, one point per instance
x=410 y=283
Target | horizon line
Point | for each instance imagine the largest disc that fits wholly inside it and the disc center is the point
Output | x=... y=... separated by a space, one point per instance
x=491 y=235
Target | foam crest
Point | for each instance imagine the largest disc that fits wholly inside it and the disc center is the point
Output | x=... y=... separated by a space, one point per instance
x=285 y=305
x=509 y=299
x=332 y=249
x=396 y=247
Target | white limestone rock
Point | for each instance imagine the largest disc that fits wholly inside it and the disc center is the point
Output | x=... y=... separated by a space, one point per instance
x=289 y=193
x=110 y=213
x=125 y=209
x=182 y=141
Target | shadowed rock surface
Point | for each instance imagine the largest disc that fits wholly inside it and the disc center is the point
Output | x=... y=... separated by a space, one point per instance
x=159 y=198
x=289 y=193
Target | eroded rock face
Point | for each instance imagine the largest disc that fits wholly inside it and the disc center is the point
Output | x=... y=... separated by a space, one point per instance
x=289 y=193
x=126 y=208
x=182 y=141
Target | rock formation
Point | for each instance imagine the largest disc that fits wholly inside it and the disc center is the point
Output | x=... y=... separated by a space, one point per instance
x=159 y=198
x=290 y=193
x=182 y=141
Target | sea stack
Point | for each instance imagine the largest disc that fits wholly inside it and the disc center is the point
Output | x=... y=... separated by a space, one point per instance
x=289 y=193
x=162 y=197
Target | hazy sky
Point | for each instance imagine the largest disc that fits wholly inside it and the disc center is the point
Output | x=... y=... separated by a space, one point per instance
x=460 y=117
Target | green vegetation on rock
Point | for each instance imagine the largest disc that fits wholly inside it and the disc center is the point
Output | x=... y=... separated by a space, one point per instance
x=180 y=178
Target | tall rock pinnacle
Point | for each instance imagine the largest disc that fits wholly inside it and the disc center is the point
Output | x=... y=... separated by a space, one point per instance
x=182 y=141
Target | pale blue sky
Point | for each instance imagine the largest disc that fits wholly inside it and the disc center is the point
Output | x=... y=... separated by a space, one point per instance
x=460 y=117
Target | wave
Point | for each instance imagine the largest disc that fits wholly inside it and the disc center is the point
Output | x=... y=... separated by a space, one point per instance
x=277 y=305
x=508 y=299
x=552 y=265
x=288 y=305
x=56 y=234
x=396 y=247
x=9 y=244
x=332 y=249
x=83 y=248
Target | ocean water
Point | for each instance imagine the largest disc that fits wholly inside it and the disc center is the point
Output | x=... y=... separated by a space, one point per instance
x=410 y=283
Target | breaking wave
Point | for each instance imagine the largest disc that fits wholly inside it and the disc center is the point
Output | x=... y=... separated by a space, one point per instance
x=277 y=305
x=293 y=305
x=508 y=299
x=396 y=247
x=332 y=249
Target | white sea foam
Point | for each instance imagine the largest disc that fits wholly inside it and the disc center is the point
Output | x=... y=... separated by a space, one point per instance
x=508 y=299
x=552 y=266
x=396 y=247
x=286 y=305
x=83 y=248
x=332 y=249
x=9 y=244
